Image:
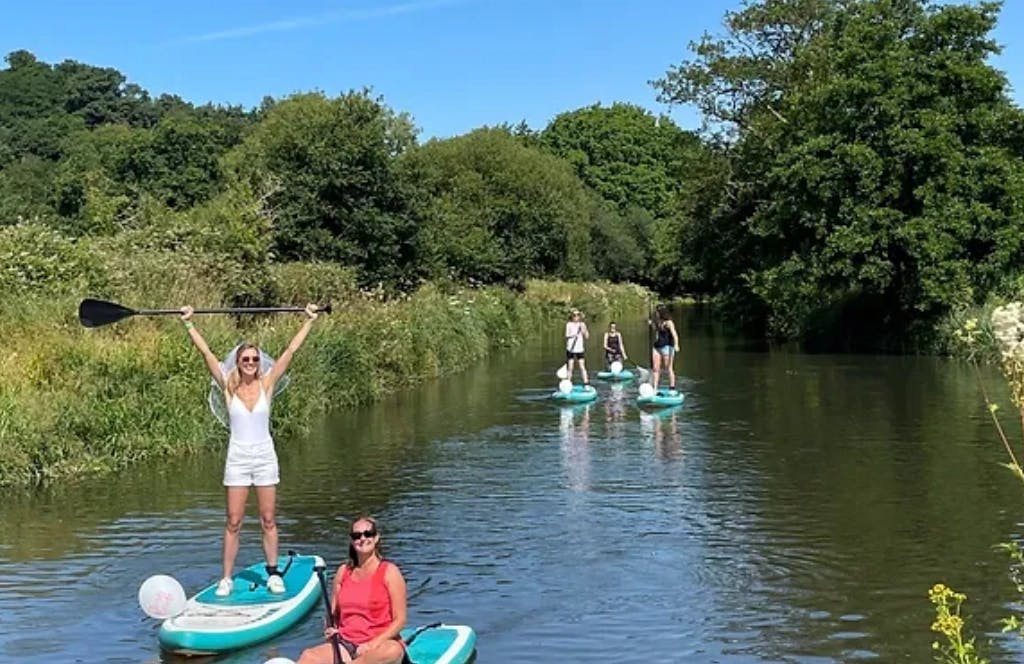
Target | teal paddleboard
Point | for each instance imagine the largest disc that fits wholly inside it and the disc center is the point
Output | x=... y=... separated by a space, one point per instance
x=661 y=399
x=440 y=644
x=623 y=375
x=250 y=614
x=578 y=394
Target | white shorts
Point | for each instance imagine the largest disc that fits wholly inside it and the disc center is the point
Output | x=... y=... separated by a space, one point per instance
x=251 y=464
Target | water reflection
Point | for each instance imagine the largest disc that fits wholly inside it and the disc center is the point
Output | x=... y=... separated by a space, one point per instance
x=820 y=498
x=662 y=430
x=574 y=428
x=615 y=405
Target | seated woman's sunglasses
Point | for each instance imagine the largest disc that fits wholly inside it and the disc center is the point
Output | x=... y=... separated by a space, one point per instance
x=368 y=534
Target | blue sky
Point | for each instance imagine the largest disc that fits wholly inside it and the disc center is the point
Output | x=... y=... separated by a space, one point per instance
x=452 y=64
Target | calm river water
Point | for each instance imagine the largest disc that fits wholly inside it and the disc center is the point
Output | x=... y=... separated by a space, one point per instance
x=796 y=509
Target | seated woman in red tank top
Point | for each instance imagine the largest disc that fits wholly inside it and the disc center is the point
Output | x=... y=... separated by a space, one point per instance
x=369 y=605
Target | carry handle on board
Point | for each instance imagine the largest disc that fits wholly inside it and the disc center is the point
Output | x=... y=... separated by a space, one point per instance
x=420 y=630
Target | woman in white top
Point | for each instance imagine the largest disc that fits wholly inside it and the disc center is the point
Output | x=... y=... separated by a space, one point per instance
x=576 y=334
x=251 y=459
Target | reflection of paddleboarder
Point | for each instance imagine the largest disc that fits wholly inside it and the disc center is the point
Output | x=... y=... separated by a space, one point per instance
x=615 y=404
x=663 y=431
x=251 y=458
x=576 y=334
x=576 y=446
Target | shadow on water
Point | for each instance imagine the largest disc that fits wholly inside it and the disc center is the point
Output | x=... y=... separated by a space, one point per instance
x=795 y=509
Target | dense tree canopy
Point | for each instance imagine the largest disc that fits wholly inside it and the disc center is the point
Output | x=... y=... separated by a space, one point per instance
x=624 y=153
x=875 y=174
x=341 y=178
x=858 y=176
x=328 y=167
x=496 y=209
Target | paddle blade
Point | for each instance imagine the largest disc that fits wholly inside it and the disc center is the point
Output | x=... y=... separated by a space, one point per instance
x=94 y=313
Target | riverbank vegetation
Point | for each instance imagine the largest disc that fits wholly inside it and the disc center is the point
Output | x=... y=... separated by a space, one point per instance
x=76 y=402
x=430 y=253
x=858 y=183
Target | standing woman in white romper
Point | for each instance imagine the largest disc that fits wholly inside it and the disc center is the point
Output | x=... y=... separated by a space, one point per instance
x=251 y=459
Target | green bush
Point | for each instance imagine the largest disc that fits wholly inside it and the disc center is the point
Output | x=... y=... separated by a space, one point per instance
x=35 y=257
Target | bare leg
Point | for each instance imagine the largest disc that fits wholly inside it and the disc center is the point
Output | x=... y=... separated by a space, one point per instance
x=389 y=652
x=583 y=371
x=670 y=363
x=322 y=654
x=656 y=367
x=266 y=497
x=237 y=495
x=571 y=363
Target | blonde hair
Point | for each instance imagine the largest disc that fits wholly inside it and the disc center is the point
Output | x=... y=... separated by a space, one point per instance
x=234 y=378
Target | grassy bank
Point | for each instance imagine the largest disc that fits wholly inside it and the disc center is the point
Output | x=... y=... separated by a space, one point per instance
x=76 y=402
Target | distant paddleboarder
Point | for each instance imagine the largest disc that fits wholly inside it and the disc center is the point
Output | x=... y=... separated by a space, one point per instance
x=576 y=334
x=251 y=458
x=666 y=345
x=614 y=347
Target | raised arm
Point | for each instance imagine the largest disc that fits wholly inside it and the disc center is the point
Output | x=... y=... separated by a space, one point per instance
x=281 y=365
x=212 y=363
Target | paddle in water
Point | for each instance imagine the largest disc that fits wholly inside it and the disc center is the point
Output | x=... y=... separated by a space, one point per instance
x=335 y=646
x=96 y=313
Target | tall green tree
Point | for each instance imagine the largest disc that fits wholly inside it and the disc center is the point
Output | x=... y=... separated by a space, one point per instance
x=493 y=209
x=328 y=165
x=33 y=120
x=623 y=152
x=876 y=174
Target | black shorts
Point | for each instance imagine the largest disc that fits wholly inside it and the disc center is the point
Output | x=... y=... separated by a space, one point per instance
x=351 y=648
x=612 y=356
x=569 y=355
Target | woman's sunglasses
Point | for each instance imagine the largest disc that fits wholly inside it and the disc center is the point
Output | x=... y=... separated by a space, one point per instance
x=249 y=360
x=368 y=534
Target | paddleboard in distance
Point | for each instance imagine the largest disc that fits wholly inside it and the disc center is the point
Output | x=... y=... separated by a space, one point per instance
x=578 y=394
x=249 y=615
x=440 y=644
x=663 y=398
x=623 y=375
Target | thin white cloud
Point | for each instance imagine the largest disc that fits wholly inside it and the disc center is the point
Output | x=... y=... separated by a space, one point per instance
x=300 y=22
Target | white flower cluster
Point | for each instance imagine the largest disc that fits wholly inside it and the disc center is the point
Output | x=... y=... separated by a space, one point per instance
x=1008 y=328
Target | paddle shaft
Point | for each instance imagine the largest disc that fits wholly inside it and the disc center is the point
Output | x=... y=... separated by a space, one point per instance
x=222 y=310
x=330 y=615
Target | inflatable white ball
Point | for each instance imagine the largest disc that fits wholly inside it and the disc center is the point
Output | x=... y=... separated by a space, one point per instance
x=646 y=390
x=616 y=367
x=562 y=373
x=279 y=660
x=161 y=597
x=565 y=386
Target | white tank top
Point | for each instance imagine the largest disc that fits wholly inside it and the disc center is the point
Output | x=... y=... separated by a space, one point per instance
x=250 y=426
